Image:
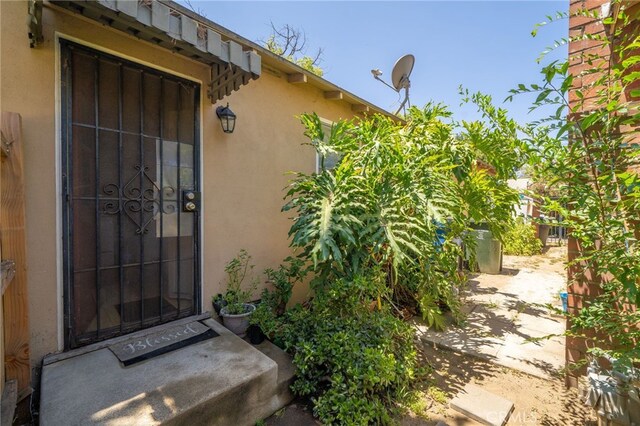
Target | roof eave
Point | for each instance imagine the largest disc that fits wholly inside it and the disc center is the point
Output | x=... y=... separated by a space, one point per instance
x=358 y=105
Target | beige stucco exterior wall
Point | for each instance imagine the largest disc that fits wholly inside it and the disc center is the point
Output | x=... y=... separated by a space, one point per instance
x=243 y=173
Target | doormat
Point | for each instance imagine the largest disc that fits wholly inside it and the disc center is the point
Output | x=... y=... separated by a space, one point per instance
x=142 y=348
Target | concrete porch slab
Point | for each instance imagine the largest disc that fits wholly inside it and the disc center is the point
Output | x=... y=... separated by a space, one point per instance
x=220 y=381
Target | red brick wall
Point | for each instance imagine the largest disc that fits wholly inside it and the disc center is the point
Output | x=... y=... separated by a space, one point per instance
x=580 y=51
x=579 y=54
x=583 y=288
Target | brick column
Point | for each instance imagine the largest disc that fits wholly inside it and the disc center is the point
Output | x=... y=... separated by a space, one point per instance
x=584 y=288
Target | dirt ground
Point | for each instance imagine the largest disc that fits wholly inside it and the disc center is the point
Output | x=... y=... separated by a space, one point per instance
x=537 y=401
x=551 y=260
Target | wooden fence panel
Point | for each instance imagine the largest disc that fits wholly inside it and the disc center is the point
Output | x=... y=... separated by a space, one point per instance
x=13 y=242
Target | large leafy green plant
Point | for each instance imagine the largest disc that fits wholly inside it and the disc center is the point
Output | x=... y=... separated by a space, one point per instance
x=381 y=232
x=587 y=150
x=403 y=196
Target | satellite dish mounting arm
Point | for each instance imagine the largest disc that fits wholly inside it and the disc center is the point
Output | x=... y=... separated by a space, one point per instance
x=404 y=84
x=377 y=77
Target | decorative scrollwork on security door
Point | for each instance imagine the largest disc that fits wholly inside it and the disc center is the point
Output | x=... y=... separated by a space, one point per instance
x=140 y=205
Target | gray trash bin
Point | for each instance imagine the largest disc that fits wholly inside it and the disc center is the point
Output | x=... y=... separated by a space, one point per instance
x=488 y=252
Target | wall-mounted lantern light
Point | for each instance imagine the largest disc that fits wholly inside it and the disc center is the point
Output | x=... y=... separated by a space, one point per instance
x=227 y=118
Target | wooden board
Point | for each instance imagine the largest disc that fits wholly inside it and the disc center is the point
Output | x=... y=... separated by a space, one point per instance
x=13 y=240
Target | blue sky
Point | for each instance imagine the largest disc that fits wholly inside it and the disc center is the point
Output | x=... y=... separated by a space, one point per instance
x=483 y=45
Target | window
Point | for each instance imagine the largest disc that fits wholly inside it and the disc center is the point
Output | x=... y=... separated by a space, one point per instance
x=331 y=159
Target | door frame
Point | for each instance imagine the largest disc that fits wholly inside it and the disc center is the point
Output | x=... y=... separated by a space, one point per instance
x=64 y=306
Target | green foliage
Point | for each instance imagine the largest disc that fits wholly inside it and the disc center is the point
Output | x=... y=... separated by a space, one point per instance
x=273 y=302
x=276 y=44
x=521 y=240
x=594 y=162
x=265 y=317
x=238 y=269
x=351 y=360
x=403 y=196
x=283 y=279
x=381 y=234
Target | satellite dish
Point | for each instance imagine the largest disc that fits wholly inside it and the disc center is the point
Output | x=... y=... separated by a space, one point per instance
x=401 y=72
x=399 y=77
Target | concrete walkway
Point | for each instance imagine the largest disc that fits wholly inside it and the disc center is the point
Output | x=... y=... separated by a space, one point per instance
x=506 y=311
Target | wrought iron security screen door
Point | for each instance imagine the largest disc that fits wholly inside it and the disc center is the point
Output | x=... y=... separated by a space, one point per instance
x=130 y=177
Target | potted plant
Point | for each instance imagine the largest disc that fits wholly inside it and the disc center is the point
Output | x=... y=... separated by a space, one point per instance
x=259 y=318
x=543 y=229
x=218 y=302
x=266 y=319
x=283 y=280
x=237 y=309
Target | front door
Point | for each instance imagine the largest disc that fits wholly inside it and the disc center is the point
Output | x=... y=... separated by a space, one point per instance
x=130 y=195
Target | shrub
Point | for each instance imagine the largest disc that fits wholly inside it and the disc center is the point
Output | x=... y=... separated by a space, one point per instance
x=273 y=302
x=521 y=240
x=351 y=359
x=381 y=234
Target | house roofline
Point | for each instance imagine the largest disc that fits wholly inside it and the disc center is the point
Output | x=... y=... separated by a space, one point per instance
x=294 y=73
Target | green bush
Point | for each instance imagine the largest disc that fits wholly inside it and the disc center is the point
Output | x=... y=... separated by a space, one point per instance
x=273 y=303
x=521 y=240
x=401 y=199
x=352 y=358
x=380 y=234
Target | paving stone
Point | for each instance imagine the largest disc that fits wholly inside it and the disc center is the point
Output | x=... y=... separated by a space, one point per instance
x=508 y=309
x=482 y=406
x=477 y=341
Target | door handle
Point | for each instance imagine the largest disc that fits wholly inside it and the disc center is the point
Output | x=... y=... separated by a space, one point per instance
x=190 y=201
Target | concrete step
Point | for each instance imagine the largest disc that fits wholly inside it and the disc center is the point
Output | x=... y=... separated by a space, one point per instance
x=220 y=381
x=286 y=370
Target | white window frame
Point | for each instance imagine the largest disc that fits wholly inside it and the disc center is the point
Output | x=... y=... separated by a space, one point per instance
x=326 y=127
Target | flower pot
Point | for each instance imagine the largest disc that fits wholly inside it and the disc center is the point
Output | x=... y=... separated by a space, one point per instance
x=218 y=303
x=543 y=233
x=255 y=334
x=237 y=323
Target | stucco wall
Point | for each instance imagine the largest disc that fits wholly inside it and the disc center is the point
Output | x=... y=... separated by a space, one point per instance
x=243 y=173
